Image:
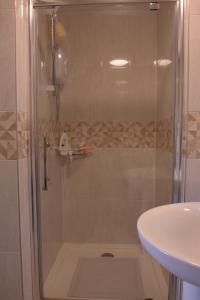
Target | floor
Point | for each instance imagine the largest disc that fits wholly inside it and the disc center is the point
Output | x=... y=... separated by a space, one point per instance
x=61 y=278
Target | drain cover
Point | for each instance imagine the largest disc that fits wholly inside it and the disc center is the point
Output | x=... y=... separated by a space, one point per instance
x=107 y=254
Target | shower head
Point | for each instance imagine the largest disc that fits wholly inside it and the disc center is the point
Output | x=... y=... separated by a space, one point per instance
x=60 y=32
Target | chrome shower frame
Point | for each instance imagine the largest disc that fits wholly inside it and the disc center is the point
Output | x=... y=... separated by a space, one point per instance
x=44 y=3
x=175 y=286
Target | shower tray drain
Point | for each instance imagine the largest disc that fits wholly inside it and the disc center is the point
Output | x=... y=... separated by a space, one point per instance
x=107 y=254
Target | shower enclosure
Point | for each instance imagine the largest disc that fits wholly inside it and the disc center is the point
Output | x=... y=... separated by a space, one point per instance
x=106 y=142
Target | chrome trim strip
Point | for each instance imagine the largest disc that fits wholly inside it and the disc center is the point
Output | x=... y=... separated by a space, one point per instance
x=43 y=4
x=175 y=283
x=34 y=166
x=178 y=109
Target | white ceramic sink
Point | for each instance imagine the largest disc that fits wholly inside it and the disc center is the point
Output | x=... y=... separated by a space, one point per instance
x=171 y=234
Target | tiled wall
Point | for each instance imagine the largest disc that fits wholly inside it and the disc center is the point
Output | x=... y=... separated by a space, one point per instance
x=104 y=93
x=114 y=111
x=13 y=135
x=10 y=253
x=104 y=134
x=192 y=22
x=8 y=135
x=193 y=135
x=104 y=195
x=112 y=134
x=122 y=162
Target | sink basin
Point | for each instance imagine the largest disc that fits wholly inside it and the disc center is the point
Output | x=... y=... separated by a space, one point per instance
x=171 y=234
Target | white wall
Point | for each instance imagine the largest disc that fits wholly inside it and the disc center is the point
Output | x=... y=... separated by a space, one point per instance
x=10 y=252
x=193 y=106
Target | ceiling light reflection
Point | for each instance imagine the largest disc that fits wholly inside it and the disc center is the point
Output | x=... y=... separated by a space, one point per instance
x=162 y=62
x=119 y=63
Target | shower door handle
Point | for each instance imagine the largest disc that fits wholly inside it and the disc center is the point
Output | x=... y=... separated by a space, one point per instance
x=46 y=145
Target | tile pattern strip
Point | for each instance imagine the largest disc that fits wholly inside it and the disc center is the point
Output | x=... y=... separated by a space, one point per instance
x=112 y=134
x=23 y=135
x=8 y=139
x=164 y=135
x=192 y=121
x=14 y=135
x=15 y=131
x=103 y=134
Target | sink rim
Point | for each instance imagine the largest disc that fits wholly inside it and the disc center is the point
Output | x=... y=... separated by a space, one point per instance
x=167 y=253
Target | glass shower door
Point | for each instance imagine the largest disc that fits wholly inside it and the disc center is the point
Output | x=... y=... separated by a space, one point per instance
x=106 y=93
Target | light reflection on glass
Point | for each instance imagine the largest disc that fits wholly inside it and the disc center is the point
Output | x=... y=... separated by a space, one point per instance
x=119 y=63
x=162 y=62
x=42 y=64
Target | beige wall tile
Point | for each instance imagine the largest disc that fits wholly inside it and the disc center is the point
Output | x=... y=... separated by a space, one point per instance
x=7 y=4
x=166 y=50
x=22 y=56
x=9 y=220
x=10 y=278
x=25 y=225
x=164 y=173
x=7 y=60
x=194 y=7
x=192 y=193
x=110 y=195
x=106 y=93
x=194 y=64
x=192 y=190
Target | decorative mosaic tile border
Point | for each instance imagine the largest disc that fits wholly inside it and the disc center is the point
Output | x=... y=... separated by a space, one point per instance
x=192 y=128
x=14 y=134
x=8 y=139
x=103 y=134
x=99 y=134
x=164 y=135
x=113 y=134
x=23 y=132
